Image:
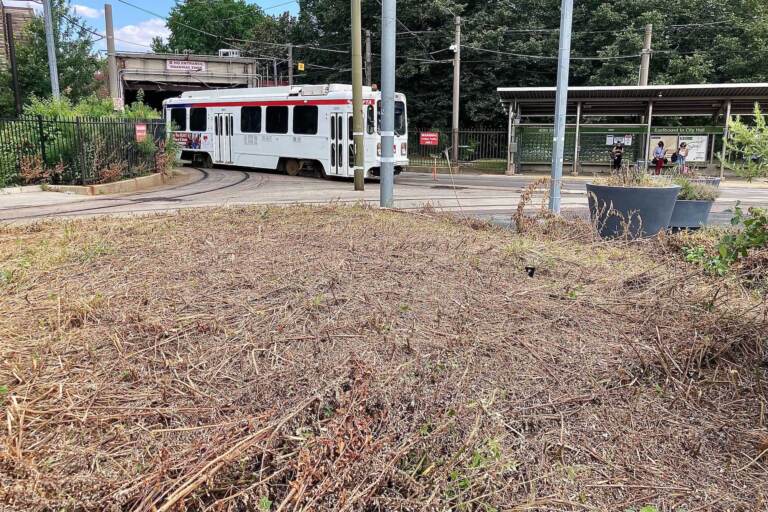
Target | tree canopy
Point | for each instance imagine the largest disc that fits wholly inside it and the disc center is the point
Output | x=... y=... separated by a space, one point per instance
x=503 y=44
x=78 y=64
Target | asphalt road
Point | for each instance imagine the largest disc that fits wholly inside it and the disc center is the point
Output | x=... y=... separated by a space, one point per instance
x=483 y=196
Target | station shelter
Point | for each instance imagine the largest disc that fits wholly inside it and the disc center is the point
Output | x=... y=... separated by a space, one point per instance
x=638 y=116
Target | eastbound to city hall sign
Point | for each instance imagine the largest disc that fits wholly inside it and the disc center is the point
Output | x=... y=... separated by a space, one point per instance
x=185 y=65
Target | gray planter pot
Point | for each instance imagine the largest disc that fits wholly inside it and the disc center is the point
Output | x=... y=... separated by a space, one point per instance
x=631 y=212
x=690 y=214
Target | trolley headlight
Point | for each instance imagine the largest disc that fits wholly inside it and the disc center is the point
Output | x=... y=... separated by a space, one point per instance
x=404 y=149
x=378 y=149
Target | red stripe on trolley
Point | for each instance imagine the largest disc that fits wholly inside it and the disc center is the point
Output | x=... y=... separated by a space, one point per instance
x=275 y=103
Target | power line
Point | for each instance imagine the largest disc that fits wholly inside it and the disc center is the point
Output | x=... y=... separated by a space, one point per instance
x=549 y=57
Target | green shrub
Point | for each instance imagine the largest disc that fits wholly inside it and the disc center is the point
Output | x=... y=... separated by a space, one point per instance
x=750 y=144
x=733 y=246
x=692 y=191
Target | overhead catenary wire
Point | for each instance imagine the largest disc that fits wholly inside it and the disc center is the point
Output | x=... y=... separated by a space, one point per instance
x=550 y=57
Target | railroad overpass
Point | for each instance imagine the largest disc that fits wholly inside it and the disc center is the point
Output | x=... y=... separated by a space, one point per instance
x=161 y=76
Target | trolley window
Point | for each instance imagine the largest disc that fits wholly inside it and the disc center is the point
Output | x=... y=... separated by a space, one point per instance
x=400 y=119
x=371 y=121
x=250 y=120
x=277 y=119
x=305 y=120
x=198 y=120
x=179 y=119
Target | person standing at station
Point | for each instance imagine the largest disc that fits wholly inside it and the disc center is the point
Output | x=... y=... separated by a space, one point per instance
x=682 y=156
x=617 y=154
x=659 y=157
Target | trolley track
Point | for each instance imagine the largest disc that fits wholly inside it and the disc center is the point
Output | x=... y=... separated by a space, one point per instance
x=136 y=198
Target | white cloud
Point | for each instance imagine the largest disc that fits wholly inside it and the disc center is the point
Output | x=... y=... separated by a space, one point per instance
x=140 y=34
x=86 y=12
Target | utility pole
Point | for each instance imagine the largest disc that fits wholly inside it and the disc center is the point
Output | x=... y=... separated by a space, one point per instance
x=388 y=40
x=645 y=58
x=368 y=59
x=12 y=61
x=51 y=44
x=456 y=90
x=561 y=103
x=290 y=65
x=111 y=59
x=274 y=72
x=357 y=95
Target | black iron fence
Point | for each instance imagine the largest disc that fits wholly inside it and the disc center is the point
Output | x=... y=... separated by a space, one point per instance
x=77 y=151
x=483 y=150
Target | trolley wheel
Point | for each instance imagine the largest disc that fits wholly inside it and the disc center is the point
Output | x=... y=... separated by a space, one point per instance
x=203 y=160
x=291 y=167
x=321 y=171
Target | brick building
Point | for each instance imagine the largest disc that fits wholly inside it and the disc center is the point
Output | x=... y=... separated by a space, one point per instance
x=20 y=16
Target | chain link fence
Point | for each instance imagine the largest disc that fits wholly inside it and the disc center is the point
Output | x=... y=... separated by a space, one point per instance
x=79 y=151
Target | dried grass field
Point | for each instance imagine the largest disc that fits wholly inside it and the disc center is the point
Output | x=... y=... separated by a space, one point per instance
x=351 y=359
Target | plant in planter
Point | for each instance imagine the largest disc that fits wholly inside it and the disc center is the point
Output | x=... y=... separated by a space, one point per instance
x=694 y=202
x=630 y=204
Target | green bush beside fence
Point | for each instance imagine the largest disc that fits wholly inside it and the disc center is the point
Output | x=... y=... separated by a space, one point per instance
x=76 y=151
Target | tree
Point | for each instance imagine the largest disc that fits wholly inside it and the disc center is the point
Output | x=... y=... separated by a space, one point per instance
x=77 y=61
x=205 y=26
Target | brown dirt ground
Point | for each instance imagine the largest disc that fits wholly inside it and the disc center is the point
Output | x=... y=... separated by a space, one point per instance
x=351 y=359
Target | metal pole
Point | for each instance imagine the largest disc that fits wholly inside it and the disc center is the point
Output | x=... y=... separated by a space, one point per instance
x=111 y=59
x=388 y=39
x=647 y=150
x=577 y=140
x=357 y=95
x=51 y=44
x=725 y=138
x=368 y=59
x=12 y=61
x=510 y=139
x=645 y=58
x=456 y=90
x=274 y=69
x=290 y=65
x=561 y=107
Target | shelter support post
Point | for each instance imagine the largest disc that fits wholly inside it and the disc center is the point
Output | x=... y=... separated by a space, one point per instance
x=647 y=148
x=576 y=141
x=511 y=127
x=725 y=138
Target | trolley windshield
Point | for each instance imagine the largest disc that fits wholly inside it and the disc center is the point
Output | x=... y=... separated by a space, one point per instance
x=401 y=123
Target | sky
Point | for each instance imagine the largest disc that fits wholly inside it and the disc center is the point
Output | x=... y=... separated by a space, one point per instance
x=134 y=29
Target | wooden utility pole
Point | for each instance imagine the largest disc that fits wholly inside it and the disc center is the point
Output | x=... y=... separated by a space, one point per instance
x=290 y=65
x=12 y=61
x=456 y=90
x=357 y=95
x=645 y=58
x=368 y=59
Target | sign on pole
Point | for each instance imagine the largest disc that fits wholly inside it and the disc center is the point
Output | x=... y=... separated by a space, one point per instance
x=141 y=132
x=429 y=138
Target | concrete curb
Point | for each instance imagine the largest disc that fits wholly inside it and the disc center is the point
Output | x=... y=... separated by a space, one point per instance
x=118 y=187
x=21 y=190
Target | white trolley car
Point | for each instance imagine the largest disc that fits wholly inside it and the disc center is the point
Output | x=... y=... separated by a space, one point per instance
x=283 y=128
